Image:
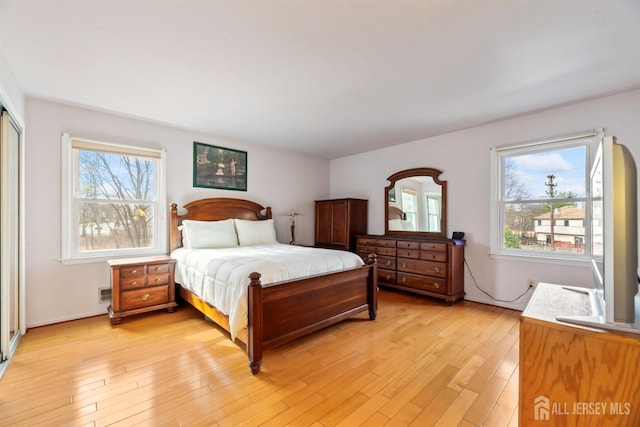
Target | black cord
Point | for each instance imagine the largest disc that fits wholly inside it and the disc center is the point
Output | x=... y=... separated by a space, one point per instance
x=487 y=293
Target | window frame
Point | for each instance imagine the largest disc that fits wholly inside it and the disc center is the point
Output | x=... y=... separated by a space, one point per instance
x=410 y=192
x=71 y=202
x=588 y=139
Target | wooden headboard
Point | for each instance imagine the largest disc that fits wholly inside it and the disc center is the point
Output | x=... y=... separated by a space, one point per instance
x=214 y=209
x=396 y=213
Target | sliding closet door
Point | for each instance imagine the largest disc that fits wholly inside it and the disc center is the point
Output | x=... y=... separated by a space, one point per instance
x=10 y=287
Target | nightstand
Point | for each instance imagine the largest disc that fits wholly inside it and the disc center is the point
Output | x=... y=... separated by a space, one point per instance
x=139 y=285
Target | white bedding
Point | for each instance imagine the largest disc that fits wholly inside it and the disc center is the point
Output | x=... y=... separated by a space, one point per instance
x=221 y=276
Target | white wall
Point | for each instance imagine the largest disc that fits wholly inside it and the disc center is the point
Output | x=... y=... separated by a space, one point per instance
x=10 y=94
x=464 y=158
x=56 y=292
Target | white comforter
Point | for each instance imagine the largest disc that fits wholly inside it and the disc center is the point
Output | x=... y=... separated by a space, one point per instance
x=221 y=276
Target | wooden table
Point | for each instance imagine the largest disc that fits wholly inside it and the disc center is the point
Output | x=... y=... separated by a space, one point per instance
x=572 y=375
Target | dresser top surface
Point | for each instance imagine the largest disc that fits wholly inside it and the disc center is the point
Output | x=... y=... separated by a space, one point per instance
x=140 y=260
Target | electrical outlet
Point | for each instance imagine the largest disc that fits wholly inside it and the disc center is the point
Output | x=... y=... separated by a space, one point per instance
x=532 y=283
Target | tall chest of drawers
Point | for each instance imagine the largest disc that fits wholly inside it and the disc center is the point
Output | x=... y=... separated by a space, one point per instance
x=432 y=267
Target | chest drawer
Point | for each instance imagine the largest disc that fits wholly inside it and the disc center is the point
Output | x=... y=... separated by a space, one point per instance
x=146 y=297
x=366 y=249
x=428 y=268
x=387 y=262
x=408 y=245
x=431 y=284
x=434 y=256
x=431 y=246
x=385 y=243
x=388 y=276
x=386 y=251
x=365 y=241
x=408 y=253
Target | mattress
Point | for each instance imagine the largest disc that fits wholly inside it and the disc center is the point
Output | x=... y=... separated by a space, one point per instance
x=220 y=277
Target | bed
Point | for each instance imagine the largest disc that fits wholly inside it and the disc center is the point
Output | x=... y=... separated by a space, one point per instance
x=277 y=312
x=398 y=220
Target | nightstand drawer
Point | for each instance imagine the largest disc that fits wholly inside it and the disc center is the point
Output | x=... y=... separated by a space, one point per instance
x=157 y=268
x=157 y=279
x=132 y=272
x=146 y=297
x=132 y=282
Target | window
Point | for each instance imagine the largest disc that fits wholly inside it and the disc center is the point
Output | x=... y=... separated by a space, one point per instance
x=409 y=206
x=542 y=198
x=113 y=200
x=433 y=202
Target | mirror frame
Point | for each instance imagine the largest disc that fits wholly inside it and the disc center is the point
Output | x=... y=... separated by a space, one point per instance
x=408 y=173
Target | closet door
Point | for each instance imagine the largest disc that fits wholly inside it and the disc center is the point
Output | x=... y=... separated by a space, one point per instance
x=10 y=287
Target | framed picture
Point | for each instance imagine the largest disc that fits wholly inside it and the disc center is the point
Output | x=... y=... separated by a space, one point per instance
x=219 y=167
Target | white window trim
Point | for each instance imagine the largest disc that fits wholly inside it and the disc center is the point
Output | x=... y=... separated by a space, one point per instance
x=496 y=226
x=69 y=220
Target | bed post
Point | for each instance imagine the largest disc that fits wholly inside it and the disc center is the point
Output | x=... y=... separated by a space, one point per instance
x=372 y=284
x=175 y=235
x=254 y=326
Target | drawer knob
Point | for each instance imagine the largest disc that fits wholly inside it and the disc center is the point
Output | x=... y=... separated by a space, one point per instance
x=158 y=268
x=437 y=285
x=388 y=277
x=145 y=297
x=404 y=279
x=437 y=269
x=157 y=279
x=404 y=265
x=134 y=271
x=134 y=283
x=408 y=253
x=388 y=262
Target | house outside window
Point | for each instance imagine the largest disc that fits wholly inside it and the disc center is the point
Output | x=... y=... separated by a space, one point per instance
x=113 y=200
x=542 y=198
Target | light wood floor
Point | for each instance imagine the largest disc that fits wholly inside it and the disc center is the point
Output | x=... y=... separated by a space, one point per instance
x=420 y=363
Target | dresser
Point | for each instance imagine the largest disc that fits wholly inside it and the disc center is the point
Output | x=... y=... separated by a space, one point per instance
x=426 y=266
x=338 y=221
x=139 y=285
x=572 y=375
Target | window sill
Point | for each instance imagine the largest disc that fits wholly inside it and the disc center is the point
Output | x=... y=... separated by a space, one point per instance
x=104 y=257
x=579 y=262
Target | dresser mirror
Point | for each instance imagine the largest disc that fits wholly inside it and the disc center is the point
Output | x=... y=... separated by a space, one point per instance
x=416 y=203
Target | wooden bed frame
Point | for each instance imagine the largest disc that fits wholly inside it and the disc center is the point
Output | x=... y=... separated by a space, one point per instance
x=396 y=213
x=284 y=311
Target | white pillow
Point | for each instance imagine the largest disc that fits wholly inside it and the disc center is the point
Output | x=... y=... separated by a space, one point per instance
x=208 y=234
x=255 y=232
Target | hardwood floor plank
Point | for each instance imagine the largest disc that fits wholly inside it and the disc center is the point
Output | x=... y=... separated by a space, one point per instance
x=487 y=397
x=421 y=362
x=436 y=408
x=455 y=412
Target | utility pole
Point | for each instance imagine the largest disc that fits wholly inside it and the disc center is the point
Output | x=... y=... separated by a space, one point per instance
x=551 y=192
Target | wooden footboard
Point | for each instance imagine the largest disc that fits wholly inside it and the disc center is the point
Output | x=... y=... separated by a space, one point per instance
x=284 y=311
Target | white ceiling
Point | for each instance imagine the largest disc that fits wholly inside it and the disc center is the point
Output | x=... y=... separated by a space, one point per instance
x=326 y=77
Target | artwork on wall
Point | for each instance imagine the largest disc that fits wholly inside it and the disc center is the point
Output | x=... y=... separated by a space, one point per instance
x=219 y=167
x=392 y=195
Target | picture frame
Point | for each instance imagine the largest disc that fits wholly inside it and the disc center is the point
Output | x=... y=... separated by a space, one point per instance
x=219 y=167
